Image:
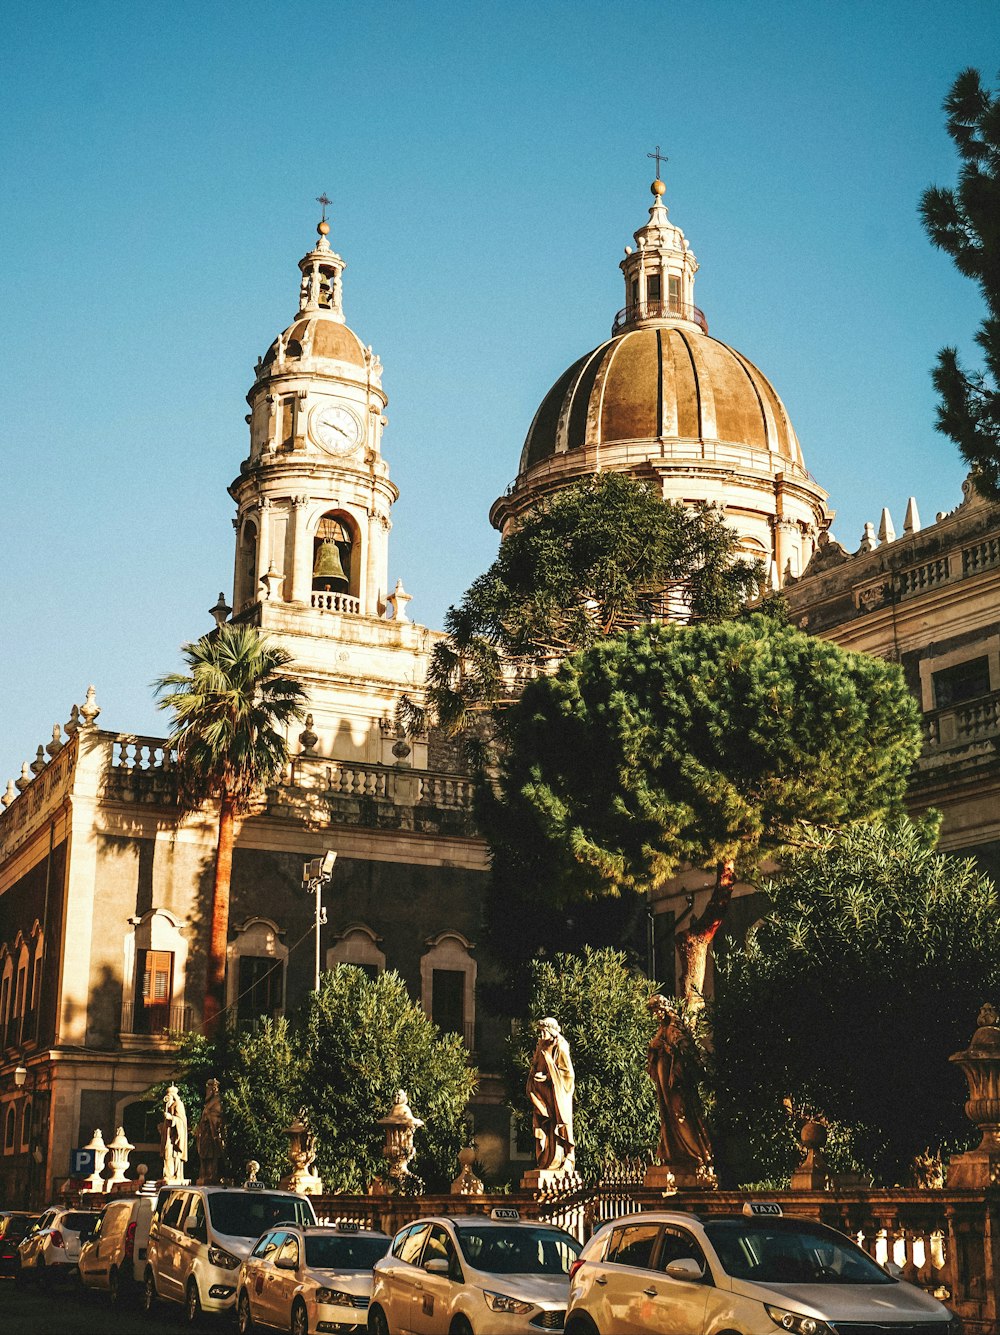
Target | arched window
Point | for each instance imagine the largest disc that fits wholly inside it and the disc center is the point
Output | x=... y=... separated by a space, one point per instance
x=9 y=1130
x=20 y=993
x=358 y=945
x=6 y=993
x=247 y=565
x=156 y=963
x=26 y=1126
x=255 y=977
x=448 y=984
x=335 y=556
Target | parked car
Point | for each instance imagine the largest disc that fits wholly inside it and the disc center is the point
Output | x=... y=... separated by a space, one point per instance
x=749 y=1274
x=200 y=1236
x=51 y=1249
x=473 y=1276
x=114 y=1257
x=14 y=1225
x=309 y=1279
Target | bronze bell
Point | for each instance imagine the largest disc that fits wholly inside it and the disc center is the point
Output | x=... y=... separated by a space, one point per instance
x=328 y=564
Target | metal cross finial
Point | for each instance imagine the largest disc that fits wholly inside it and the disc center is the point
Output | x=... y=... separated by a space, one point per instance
x=322 y=199
x=658 y=155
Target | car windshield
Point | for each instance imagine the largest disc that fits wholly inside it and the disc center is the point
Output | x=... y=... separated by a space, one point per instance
x=248 y=1214
x=801 y=1253
x=517 y=1250
x=338 y=1251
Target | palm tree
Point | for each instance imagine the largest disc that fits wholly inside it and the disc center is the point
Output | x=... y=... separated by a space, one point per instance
x=226 y=716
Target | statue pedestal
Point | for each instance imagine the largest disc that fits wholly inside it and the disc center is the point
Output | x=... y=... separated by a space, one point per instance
x=306 y=1184
x=811 y=1174
x=975 y=1168
x=549 y=1179
x=687 y=1176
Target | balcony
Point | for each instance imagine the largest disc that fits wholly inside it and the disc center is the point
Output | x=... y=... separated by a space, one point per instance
x=658 y=310
x=963 y=724
x=155 y=1022
x=336 y=602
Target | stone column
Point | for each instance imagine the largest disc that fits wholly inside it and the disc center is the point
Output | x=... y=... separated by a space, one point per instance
x=300 y=583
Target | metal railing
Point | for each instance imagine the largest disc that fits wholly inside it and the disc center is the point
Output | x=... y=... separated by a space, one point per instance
x=155 y=1021
x=658 y=310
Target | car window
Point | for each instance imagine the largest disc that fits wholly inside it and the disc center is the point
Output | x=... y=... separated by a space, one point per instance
x=679 y=1246
x=173 y=1210
x=247 y=1214
x=332 y=1251
x=74 y=1220
x=796 y=1252
x=633 y=1244
x=46 y=1219
x=520 y=1249
x=196 y=1216
x=289 y=1250
x=410 y=1250
x=265 y=1246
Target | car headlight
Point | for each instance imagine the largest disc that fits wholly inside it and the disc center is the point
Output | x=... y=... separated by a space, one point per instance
x=223 y=1259
x=500 y=1302
x=337 y=1296
x=796 y=1323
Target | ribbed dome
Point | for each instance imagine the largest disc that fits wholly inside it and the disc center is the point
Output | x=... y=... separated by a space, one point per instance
x=319 y=337
x=661 y=383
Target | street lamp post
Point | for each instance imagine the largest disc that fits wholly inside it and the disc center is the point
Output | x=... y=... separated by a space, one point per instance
x=315 y=874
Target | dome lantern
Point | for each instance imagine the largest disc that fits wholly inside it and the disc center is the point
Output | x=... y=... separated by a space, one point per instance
x=659 y=274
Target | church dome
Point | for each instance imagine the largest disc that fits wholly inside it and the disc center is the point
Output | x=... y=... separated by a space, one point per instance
x=664 y=400
x=319 y=337
x=667 y=384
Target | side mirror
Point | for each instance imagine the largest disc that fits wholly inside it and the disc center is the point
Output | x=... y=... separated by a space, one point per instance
x=686 y=1268
x=285 y=1263
x=893 y=1270
x=437 y=1265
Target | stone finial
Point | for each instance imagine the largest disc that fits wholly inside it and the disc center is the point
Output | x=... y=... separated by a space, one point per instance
x=886 y=528
x=90 y=709
x=308 y=738
x=302 y=1155
x=911 y=524
x=221 y=610
x=467 y=1184
x=272 y=582
x=10 y=793
x=56 y=745
x=96 y=1143
x=25 y=779
x=867 y=539
x=72 y=727
x=39 y=762
x=119 y=1149
x=398 y=600
x=980 y=1064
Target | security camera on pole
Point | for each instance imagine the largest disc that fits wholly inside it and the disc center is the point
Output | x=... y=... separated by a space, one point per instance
x=315 y=874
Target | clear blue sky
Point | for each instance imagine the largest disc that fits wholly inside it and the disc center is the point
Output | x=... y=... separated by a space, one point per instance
x=487 y=164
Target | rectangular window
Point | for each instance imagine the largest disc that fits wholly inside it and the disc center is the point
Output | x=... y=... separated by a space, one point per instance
x=963 y=681
x=674 y=290
x=448 y=1000
x=653 y=289
x=287 y=420
x=157 y=973
x=635 y=292
x=633 y=1245
x=259 y=987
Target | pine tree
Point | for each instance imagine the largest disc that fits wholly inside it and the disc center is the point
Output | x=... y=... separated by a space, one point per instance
x=965 y=223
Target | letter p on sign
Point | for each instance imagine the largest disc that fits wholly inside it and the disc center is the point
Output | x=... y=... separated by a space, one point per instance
x=82 y=1163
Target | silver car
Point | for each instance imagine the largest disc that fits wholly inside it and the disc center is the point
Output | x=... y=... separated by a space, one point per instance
x=470 y=1275
x=749 y=1274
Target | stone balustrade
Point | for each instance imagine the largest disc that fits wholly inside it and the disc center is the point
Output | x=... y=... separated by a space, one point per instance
x=38 y=799
x=959 y=725
x=336 y=602
x=386 y=782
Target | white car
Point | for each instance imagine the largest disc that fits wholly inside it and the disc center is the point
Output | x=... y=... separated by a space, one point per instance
x=309 y=1279
x=752 y=1274
x=200 y=1236
x=114 y=1257
x=52 y=1248
x=470 y=1275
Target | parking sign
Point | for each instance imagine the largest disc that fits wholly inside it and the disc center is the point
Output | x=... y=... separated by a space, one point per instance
x=82 y=1163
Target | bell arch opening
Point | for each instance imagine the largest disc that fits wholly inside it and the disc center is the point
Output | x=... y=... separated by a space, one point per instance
x=336 y=552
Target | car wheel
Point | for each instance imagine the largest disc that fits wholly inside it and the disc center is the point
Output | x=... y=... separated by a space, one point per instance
x=42 y=1274
x=244 y=1317
x=460 y=1326
x=192 y=1303
x=581 y=1325
x=377 y=1324
x=114 y=1292
x=300 y=1320
x=148 y=1292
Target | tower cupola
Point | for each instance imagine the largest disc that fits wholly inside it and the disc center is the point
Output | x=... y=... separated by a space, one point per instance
x=659 y=274
x=321 y=289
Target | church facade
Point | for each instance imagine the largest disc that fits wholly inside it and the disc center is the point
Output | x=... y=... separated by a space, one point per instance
x=104 y=886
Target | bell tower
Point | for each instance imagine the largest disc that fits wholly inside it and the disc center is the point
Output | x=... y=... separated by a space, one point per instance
x=314 y=500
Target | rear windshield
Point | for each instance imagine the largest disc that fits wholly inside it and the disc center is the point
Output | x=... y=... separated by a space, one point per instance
x=340 y=1252
x=791 y=1254
x=77 y=1219
x=521 y=1250
x=248 y=1214
x=16 y=1226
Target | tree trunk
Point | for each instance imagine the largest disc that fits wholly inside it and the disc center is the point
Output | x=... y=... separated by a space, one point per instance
x=694 y=943
x=215 y=980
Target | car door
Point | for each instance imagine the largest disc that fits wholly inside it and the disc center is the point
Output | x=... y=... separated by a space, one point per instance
x=33 y=1243
x=282 y=1280
x=93 y=1259
x=258 y=1265
x=665 y=1305
x=406 y=1274
x=619 y=1277
x=434 y=1293
x=168 y=1246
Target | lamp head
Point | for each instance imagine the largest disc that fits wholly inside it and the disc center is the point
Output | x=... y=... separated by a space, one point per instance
x=20 y=1075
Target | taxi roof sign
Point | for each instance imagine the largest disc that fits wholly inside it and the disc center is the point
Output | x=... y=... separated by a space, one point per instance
x=348 y=1226
x=506 y=1213
x=765 y=1209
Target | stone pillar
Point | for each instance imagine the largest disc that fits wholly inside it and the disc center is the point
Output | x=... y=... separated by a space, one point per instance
x=300 y=584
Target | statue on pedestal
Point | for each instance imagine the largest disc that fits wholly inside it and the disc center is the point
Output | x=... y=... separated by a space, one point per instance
x=174 y=1136
x=551 y=1081
x=672 y=1063
x=209 y=1135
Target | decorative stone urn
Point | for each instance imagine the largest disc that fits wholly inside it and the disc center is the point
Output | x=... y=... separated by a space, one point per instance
x=467 y=1184
x=302 y=1154
x=980 y=1064
x=119 y=1148
x=96 y=1178
x=811 y=1172
x=400 y=1124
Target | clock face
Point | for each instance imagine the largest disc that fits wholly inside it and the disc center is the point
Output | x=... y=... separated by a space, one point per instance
x=336 y=429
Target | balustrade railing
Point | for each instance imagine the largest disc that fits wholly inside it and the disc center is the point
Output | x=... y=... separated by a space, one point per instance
x=155 y=1021
x=972 y=721
x=656 y=310
x=336 y=602
x=353 y=779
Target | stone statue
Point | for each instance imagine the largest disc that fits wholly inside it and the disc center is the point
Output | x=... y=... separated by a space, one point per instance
x=550 y=1093
x=209 y=1135
x=174 y=1136
x=672 y=1064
